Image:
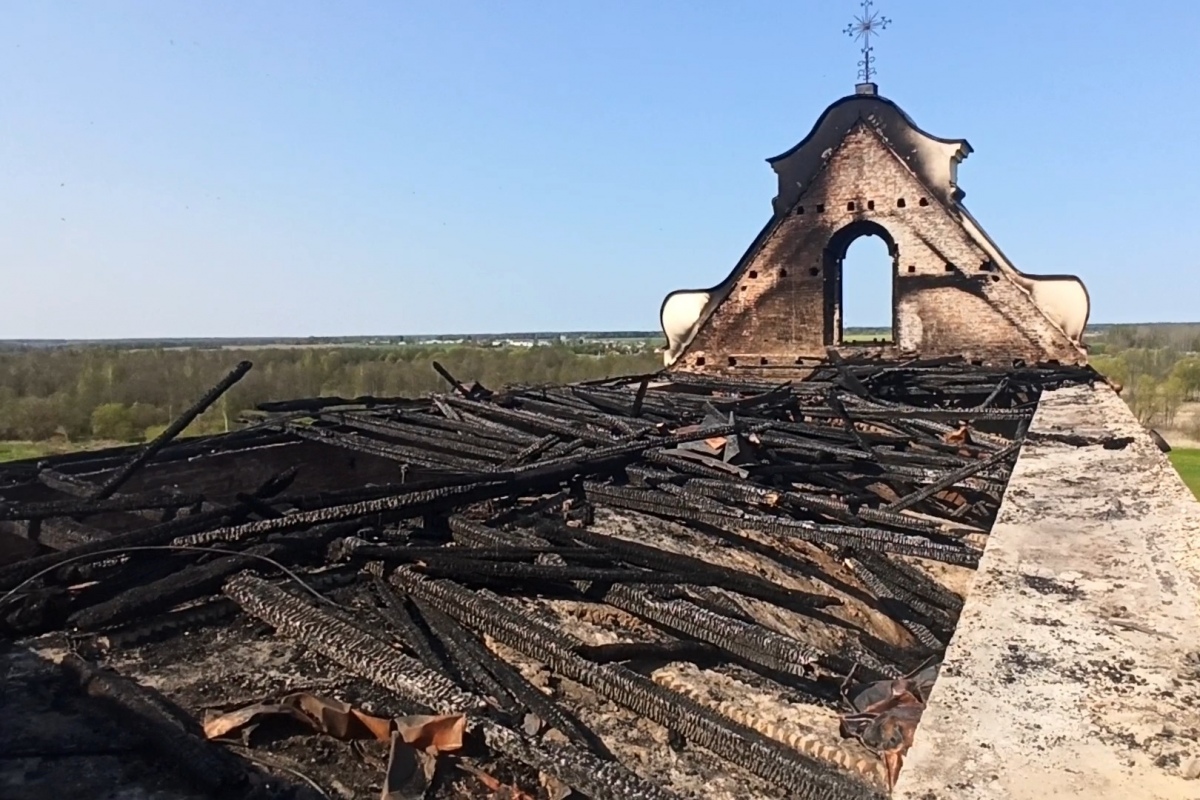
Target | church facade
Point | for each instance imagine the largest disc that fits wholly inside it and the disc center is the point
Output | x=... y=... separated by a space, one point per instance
x=866 y=169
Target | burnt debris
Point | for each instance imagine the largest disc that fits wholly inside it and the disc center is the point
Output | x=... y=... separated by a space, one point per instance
x=450 y=550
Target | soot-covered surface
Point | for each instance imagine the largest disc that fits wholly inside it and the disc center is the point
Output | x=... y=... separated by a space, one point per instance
x=619 y=579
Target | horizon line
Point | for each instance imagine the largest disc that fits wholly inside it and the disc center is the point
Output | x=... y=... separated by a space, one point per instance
x=615 y=333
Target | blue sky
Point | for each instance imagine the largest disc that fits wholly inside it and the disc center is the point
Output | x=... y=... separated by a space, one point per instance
x=334 y=168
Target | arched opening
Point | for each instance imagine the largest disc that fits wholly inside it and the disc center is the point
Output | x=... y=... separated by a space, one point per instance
x=860 y=285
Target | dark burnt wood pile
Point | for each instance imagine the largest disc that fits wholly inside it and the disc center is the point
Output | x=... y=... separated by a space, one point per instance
x=797 y=541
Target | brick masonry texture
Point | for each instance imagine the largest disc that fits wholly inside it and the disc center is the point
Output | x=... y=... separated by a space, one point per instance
x=949 y=299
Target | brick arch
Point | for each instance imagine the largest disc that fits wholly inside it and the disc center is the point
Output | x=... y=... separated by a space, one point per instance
x=833 y=256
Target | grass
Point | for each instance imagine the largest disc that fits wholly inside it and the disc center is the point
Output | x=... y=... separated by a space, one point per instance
x=15 y=451
x=1187 y=462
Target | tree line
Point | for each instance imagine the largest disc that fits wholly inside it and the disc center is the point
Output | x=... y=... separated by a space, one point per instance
x=1178 y=337
x=1156 y=382
x=131 y=394
x=1158 y=367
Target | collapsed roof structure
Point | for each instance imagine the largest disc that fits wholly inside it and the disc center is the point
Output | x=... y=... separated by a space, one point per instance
x=666 y=549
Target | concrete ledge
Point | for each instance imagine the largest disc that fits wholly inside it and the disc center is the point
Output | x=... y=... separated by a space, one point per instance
x=1075 y=668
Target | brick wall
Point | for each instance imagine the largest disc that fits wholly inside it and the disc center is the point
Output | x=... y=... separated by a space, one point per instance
x=949 y=298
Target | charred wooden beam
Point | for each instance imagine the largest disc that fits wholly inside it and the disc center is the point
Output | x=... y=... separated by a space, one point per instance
x=873 y=539
x=696 y=570
x=531 y=451
x=80 y=508
x=541 y=423
x=396 y=452
x=163 y=533
x=415 y=554
x=468 y=570
x=214 y=611
x=906 y=618
x=154 y=535
x=189 y=583
x=803 y=776
x=481 y=448
x=464 y=662
x=738 y=637
x=913 y=580
x=746 y=640
x=181 y=747
x=407 y=677
x=176 y=427
x=58 y=533
x=953 y=478
x=457 y=489
x=599 y=780
x=349 y=646
x=398 y=615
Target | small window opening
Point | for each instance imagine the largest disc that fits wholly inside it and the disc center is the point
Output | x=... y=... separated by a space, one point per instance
x=949 y=268
x=699 y=361
x=732 y=361
x=783 y=273
x=814 y=271
x=870 y=205
x=820 y=208
x=923 y=202
x=763 y=362
x=995 y=278
x=799 y=209
x=753 y=273
x=912 y=268
x=900 y=203
x=850 y=206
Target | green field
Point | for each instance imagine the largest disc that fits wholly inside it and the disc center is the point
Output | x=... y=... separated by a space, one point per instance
x=15 y=451
x=1188 y=464
x=854 y=335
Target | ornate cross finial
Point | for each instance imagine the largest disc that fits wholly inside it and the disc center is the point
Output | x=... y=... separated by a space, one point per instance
x=867 y=24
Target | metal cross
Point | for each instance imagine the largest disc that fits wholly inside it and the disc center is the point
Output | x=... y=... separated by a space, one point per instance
x=867 y=24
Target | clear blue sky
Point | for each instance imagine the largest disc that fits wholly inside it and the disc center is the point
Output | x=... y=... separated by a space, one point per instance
x=172 y=168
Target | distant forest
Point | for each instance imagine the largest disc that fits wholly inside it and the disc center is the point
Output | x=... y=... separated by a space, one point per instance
x=111 y=393
x=101 y=391
x=252 y=343
x=1158 y=367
